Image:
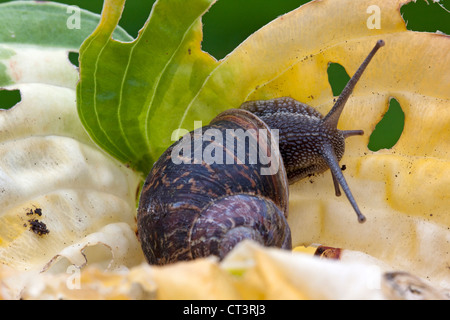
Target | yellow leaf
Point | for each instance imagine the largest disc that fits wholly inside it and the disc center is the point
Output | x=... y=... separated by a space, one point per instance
x=199 y=279
x=405 y=191
x=266 y=274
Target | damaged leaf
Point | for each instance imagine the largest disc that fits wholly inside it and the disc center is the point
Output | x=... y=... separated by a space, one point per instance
x=403 y=191
x=249 y=272
x=132 y=95
x=60 y=194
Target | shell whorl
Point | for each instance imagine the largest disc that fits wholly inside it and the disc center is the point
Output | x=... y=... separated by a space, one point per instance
x=182 y=206
x=226 y=222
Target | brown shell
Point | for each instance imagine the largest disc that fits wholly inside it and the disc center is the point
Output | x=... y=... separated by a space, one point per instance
x=187 y=210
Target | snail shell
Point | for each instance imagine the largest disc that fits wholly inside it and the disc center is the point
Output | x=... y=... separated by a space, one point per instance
x=191 y=210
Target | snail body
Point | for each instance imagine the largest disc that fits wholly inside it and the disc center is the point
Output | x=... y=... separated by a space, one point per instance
x=191 y=207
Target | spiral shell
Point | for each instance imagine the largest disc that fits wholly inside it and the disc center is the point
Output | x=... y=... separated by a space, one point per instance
x=191 y=210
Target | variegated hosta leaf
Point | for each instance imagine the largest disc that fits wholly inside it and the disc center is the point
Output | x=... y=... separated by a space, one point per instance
x=60 y=194
x=249 y=272
x=131 y=96
x=404 y=191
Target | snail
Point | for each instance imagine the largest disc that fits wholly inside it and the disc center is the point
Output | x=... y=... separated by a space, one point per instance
x=195 y=204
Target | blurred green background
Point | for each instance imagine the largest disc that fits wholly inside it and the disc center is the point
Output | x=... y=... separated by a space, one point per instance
x=229 y=22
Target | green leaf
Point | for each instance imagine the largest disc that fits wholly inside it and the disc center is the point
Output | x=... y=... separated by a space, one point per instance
x=48 y=26
x=132 y=96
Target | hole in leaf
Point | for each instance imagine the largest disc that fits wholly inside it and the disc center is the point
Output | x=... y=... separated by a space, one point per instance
x=73 y=58
x=99 y=254
x=337 y=77
x=389 y=129
x=134 y=16
x=429 y=16
x=9 y=98
x=228 y=23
